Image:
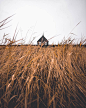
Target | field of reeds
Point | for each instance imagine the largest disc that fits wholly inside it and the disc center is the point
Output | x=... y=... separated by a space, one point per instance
x=42 y=77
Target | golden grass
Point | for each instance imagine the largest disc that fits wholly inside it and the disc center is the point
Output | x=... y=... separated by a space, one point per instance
x=51 y=77
x=42 y=77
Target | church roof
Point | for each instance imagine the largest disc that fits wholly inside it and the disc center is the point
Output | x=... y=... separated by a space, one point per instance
x=42 y=39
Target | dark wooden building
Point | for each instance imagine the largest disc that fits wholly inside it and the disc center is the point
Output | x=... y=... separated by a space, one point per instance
x=43 y=41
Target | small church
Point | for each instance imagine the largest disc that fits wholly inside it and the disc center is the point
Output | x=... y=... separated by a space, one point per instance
x=43 y=41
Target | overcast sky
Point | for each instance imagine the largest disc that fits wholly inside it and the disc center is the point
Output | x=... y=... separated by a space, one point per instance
x=53 y=17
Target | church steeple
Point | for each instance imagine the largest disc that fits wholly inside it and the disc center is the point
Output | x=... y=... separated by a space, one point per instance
x=43 y=34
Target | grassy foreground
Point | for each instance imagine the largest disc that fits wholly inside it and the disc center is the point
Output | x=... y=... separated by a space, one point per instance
x=36 y=77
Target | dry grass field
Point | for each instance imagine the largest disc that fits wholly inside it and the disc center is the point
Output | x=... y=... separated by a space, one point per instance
x=42 y=77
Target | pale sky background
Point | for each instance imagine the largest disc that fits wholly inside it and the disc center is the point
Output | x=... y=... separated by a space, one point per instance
x=53 y=17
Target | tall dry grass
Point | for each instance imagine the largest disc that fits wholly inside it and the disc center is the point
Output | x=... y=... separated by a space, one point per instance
x=42 y=77
x=32 y=76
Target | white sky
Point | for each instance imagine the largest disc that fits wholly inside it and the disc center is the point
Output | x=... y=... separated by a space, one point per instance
x=53 y=17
